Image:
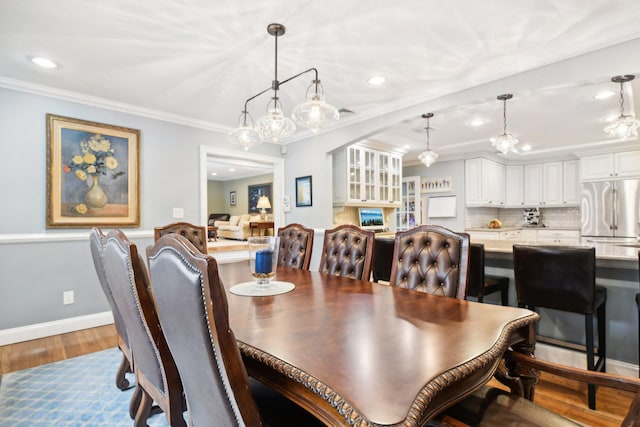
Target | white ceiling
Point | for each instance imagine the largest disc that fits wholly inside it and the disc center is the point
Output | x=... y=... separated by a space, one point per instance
x=200 y=60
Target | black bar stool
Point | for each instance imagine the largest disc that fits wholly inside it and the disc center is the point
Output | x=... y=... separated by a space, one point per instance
x=564 y=278
x=481 y=284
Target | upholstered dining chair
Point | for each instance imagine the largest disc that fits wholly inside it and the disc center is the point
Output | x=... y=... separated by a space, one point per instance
x=296 y=243
x=196 y=234
x=347 y=252
x=431 y=259
x=96 y=242
x=194 y=314
x=481 y=284
x=564 y=278
x=155 y=371
x=492 y=406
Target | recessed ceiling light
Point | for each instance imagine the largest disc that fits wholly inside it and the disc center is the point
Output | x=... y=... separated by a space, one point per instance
x=604 y=94
x=232 y=170
x=477 y=122
x=43 y=62
x=213 y=174
x=407 y=146
x=525 y=147
x=376 y=80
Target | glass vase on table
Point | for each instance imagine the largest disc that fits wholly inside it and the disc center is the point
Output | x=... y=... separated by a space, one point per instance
x=263 y=259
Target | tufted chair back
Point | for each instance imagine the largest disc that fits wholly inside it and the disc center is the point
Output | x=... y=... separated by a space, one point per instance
x=296 y=243
x=96 y=242
x=432 y=259
x=195 y=234
x=347 y=252
x=156 y=373
x=193 y=312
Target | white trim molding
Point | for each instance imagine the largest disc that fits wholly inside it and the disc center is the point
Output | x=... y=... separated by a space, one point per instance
x=47 y=329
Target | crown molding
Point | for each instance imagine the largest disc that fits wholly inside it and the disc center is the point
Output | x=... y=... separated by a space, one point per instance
x=94 y=101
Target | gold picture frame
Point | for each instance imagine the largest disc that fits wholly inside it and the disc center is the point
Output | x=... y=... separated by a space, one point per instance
x=92 y=174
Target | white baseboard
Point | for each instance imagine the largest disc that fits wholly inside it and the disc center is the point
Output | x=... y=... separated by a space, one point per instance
x=41 y=330
x=577 y=359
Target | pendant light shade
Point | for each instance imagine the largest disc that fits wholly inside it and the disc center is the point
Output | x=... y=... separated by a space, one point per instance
x=314 y=113
x=624 y=126
x=245 y=135
x=505 y=142
x=428 y=156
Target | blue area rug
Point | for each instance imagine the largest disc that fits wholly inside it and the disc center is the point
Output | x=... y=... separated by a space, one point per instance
x=75 y=392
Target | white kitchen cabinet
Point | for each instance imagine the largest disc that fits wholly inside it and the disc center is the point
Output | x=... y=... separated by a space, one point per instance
x=510 y=235
x=528 y=235
x=514 y=186
x=366 y=177
x=409 y=213
x=484 y=183
x=551 y=184
x=568 y=237
x=533 y=185
x=484 y=235
x=570 y=183
x=610 y=166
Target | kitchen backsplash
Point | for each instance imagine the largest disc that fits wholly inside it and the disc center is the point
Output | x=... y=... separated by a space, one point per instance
x=551 y=217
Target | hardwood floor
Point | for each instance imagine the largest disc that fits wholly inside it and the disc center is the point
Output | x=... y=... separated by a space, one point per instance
x=554 y=393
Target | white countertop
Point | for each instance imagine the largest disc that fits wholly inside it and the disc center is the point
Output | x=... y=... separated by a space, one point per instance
x=514 y=228
x=604 y=250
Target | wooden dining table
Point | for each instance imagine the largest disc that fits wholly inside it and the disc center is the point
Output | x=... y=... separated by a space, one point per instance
x=354 y=352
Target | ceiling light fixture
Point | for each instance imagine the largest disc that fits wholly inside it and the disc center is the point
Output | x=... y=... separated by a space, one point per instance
x=314 y=113
x=428 y=156
x=624 y=126
x=376 y=80
x=505 y=142
x=43 y=62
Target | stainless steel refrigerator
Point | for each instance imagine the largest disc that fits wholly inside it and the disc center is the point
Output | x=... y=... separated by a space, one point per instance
x=611 y=208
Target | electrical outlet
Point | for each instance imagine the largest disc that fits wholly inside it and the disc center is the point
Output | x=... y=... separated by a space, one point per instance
x=178 y=213
x=67 y=297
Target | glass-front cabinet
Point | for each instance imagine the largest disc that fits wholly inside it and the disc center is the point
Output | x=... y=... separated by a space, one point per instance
x=373 y=177
x=408 y=215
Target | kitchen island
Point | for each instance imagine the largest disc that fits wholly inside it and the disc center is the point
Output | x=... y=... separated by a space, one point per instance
x=616 y=269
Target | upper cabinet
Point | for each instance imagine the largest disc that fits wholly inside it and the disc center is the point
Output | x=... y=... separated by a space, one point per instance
x=551 y=184
x=514 y=186
x=409 y=215
x=484 y=183
x=610 y=166
x=366 y=177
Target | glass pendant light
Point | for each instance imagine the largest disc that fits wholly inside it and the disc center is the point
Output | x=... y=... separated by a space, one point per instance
x=245 y=135
x=624 y=126
x=506 y=142
x=275 y=126
x=315 y=113
x=428 y=156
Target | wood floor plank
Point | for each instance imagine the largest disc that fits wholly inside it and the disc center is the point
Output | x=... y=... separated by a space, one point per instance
x=554 y=393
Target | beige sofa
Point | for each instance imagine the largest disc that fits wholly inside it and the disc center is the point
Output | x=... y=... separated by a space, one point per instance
x=237 y=227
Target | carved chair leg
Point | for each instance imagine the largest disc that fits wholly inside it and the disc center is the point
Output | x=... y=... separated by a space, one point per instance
x=144 y=409
x=121 y=380
x=135 y=402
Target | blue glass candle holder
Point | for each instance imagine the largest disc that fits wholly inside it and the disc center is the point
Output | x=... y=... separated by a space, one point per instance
x=263 y=258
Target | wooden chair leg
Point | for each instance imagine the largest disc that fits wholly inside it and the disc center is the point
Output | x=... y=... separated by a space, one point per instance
x=134 y=404
x=144 y=409
x=121 y=380
x=590 y=358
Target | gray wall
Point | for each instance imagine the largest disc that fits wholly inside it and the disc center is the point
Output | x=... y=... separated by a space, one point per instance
x=454 y=169
x=37 y=264
x=219 y=194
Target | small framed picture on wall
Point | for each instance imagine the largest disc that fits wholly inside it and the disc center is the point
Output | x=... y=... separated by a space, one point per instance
x=303 y=191
x=232 y=198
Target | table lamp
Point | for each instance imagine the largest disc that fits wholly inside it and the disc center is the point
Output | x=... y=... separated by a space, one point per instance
x=263 y=204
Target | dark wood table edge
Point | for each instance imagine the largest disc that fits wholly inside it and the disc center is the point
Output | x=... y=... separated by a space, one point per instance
x=323 y=402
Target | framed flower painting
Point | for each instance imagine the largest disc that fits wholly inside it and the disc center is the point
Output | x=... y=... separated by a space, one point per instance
x=92 y=174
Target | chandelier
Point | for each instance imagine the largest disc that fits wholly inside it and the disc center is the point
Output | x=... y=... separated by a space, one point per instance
x=314 y=113
x=505 y=142
x=624 y=126
x=428 y=156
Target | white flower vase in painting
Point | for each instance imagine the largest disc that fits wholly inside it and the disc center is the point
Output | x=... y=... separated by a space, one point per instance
x=96 y=197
